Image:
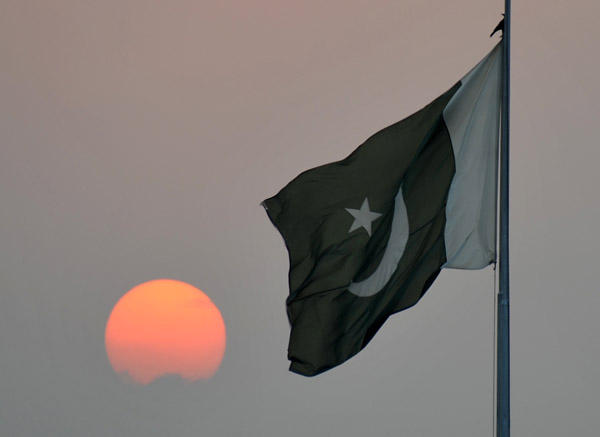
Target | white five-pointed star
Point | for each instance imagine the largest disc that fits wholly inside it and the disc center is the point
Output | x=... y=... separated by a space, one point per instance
x=363 y=217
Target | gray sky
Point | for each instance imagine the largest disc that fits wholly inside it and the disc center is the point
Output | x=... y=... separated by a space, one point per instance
x=137 y=139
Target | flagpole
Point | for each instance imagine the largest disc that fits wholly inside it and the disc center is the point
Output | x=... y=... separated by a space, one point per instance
x=503 y=331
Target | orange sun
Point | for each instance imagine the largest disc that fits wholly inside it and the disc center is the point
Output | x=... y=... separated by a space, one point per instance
x=165 y=327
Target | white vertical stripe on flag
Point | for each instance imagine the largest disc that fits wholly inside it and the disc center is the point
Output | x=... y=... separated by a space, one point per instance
x=473 y=120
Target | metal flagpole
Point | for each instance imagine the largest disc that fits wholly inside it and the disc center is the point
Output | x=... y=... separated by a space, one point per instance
x=503 y=332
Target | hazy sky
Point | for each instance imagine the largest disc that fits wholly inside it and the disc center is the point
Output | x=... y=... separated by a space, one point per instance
x=137 y=139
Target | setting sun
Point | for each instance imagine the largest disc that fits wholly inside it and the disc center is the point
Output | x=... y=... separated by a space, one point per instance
x=165 y=327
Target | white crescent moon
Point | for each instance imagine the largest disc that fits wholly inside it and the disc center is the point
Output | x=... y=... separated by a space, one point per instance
x=393 y=252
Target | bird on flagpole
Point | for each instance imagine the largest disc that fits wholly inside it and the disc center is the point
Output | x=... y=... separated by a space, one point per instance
x=500 y=27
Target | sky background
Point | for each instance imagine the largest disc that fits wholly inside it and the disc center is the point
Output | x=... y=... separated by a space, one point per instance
x=137 y=140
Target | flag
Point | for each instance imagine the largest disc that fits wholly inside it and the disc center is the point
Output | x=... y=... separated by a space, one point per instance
x=367 y=235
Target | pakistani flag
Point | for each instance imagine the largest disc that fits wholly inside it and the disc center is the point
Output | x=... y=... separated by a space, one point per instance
x=368 y=235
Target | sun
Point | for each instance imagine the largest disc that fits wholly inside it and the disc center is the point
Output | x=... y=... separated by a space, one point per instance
x=165 y=327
